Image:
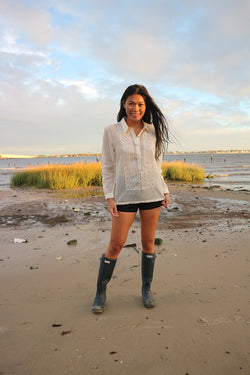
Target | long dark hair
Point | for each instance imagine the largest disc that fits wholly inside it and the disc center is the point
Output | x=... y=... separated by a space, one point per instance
x=153 y=115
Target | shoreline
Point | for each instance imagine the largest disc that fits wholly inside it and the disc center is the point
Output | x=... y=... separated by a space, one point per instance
x=190 y=204
x=13 y=156
x=201 y=321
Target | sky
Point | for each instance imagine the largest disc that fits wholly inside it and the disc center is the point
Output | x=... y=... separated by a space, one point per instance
x=64 y=66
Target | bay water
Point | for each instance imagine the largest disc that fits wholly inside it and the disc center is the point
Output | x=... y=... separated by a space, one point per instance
x=230 y=170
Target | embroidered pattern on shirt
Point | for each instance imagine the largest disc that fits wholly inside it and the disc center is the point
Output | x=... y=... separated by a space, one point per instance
x=139 y=180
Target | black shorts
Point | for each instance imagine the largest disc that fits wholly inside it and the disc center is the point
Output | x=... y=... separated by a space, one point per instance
x=133 y=207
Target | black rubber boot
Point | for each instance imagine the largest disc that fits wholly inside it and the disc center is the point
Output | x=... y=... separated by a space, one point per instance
x=147 y=270
x=105 y=273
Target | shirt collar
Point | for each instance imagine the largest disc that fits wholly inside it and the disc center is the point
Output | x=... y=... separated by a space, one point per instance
x=126 y=128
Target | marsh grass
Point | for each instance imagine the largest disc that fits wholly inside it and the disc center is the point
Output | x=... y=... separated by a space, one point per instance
x=77 y=175
x=60 y=176
x=180 y=171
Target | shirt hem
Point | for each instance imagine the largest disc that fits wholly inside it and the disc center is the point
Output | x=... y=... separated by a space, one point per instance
x=136 y=202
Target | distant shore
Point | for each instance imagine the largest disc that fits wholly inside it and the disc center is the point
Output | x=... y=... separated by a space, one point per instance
x=14 y=156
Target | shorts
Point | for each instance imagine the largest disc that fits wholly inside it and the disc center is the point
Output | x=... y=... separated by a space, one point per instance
x=133 y=207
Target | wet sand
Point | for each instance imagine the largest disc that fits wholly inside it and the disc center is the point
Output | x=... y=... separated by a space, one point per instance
x=200 y=324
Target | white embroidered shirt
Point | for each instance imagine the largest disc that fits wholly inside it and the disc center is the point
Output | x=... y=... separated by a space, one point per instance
x=130 y=172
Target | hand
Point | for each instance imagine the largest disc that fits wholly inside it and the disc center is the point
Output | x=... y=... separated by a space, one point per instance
x=166 y=202
x=112 y=207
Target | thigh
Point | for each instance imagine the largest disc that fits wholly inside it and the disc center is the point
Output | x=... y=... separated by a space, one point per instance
x=149 y=220
x=119 y=233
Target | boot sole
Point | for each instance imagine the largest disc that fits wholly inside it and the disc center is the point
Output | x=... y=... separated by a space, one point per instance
x=97 y=311
x=149 y=306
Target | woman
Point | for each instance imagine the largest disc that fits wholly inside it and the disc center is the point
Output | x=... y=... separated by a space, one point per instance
x=132 y=180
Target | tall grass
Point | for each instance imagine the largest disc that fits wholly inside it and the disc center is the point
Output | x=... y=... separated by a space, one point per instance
x=179 y=171
x=60 y=176
x=72 y=176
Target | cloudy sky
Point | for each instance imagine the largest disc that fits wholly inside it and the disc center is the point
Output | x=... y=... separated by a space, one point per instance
x=65 y=64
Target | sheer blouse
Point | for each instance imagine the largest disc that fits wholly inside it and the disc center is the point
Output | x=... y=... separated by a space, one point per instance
x=130 y=172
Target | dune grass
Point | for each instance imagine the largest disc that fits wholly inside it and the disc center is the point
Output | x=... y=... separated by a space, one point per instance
x=72 y=176
x=180 y=171
x=60 y=176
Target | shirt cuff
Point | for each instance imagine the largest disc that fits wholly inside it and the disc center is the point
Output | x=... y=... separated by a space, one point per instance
x=166 y=191
x=109 y=195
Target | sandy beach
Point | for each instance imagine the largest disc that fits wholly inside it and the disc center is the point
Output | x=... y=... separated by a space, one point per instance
x=201 y=322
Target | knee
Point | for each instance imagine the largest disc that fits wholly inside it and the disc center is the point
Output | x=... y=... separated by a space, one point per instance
x=114 y=250
x=148 y=245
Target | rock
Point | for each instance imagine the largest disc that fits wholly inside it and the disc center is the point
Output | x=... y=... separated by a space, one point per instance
x=158 y=241
x=203 y=320
x=20 y=240
x=72 y=243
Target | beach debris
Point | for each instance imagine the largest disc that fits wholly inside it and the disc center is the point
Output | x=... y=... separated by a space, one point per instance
x=174 y=209
x=113 y=353
x=163 y=357
x=77 y=210
x=65 y=333
x=72 y=242
x=126 y=280
x=36 y=248
x=94 y=367
x=133 y=245
x=158 y=241
x=134 y=266
x=210 y=175
x=20 y=240
x=87 y=213
x=33 y=268
x=203 y=320
x=56 y=325
x=59 y=258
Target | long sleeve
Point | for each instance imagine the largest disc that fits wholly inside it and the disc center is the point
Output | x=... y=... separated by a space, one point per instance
x=164 y=185
x=108 y=165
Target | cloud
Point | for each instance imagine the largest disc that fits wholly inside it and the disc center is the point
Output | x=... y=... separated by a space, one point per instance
x=31 y=22
x=64 y=66
x=82 y=86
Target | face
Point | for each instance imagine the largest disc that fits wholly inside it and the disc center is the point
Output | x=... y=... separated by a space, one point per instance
x=135 y=107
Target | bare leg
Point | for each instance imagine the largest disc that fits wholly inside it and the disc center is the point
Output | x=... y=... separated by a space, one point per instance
x=119 y=233
x=149 y=220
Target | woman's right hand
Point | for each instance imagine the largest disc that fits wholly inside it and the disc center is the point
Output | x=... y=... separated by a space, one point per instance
x=112 y=208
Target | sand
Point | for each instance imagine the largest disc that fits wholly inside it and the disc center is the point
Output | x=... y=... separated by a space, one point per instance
x=201 y=322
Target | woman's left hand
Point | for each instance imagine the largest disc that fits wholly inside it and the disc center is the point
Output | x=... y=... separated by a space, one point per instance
x=166 y=202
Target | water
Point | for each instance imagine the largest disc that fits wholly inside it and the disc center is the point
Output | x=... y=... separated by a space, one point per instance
x=232 y=171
